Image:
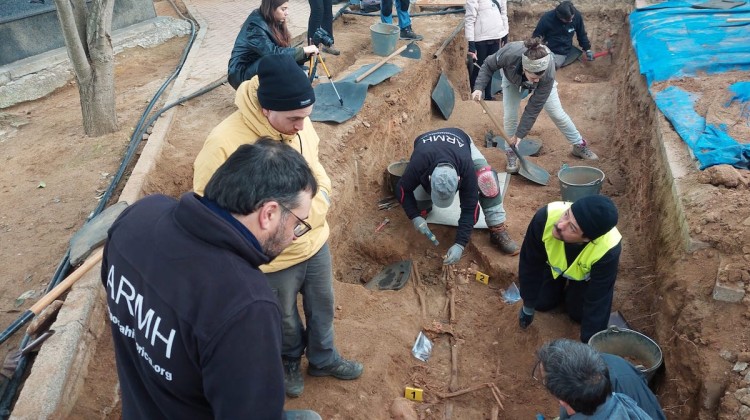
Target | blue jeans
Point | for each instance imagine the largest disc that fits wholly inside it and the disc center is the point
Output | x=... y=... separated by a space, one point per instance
x=402 y=11
x=512 y=101
x=314 y=280
x=301 y=415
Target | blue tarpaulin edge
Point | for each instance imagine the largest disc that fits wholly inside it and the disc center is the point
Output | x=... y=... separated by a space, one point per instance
x=674 y=40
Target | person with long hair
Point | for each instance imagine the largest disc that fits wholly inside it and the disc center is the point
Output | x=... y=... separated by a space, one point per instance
x=528 y=68
x=264 y=33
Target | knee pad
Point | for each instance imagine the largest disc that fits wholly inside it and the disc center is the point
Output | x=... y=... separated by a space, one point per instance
x=489 y=185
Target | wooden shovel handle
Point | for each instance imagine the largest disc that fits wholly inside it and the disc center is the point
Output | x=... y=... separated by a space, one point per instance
x=380 y=64
x=64 y=285
x=495 y=121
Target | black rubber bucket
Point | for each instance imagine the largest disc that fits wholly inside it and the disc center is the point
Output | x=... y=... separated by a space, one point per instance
x=638 y=349
x=393 y=174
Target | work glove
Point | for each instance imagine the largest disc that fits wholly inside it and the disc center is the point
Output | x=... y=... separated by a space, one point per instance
x=524 y=319
x=590 y=55
x=453 y=255
x=421 y=225
x=477 y=95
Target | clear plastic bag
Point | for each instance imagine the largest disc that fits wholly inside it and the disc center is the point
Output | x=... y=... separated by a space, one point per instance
x=422 y=349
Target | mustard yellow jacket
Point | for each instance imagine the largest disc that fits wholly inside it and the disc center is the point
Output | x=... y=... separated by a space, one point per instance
x=245 y=126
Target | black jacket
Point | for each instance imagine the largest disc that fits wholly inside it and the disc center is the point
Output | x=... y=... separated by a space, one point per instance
x=196 y=328
x=448 y=145
x=628 y=380
x=534 y=271
x=559 y=36
x=254 y=41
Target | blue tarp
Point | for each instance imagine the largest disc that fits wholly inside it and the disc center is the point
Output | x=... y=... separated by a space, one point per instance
x=675 y=40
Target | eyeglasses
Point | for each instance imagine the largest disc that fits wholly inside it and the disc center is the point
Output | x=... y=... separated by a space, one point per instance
x=302 y=227
x=539 y=73
x=536 y=373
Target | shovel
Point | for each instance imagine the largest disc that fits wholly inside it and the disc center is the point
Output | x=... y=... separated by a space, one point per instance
x=89 y=238
x=528 y=169
x=410 y=50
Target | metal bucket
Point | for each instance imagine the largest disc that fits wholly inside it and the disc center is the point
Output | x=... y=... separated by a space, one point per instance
x=638 y=349
x=394 y=173
x=579 y=181
x=384 y=37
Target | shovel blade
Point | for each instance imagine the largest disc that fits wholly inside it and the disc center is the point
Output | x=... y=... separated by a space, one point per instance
x=412 y=51
x=392 y=277
x=531 y=170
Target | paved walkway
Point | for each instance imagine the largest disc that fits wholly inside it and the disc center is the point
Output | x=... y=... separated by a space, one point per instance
x=221 y=20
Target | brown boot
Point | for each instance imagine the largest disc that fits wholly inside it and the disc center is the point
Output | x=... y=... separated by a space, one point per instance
x=500 y=238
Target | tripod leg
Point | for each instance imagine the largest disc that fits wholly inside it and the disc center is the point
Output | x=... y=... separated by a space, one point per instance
x=328 y=73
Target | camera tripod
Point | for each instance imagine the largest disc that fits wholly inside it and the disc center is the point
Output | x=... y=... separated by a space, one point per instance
x=313 y=68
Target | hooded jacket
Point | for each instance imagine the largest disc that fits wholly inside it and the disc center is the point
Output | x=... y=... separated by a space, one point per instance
x=508 y=59
x=617 y=407
x=558 y=35
x=245 y=126
x=628 y=380
x=254 y=41
x=196 y=328
x=484 y=21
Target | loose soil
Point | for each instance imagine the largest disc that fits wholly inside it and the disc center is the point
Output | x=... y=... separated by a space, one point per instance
x=661 y=290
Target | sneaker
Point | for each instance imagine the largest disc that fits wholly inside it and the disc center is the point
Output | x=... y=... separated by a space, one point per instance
x=330 y=50
x=342 y=369
x=500 y=238
x=582 y=151
x=293 y=382
x=409 y=35
x=511 y=166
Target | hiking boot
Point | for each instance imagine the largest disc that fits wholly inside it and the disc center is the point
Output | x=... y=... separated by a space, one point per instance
x=511 y=166
x=500 y=238
x=409 y=35
x=330 y=50
x=293 y=382
x=582 y=151
x=341 y=369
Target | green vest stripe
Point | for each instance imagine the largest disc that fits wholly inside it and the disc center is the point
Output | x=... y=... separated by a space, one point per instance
x=580 y=270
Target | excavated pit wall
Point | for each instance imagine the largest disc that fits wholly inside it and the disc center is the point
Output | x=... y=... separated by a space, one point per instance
x=643 y=134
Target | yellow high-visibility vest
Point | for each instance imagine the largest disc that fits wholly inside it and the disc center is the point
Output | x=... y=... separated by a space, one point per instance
x=580 y=270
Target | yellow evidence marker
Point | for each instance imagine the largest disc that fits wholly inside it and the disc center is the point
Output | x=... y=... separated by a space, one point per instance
x=482 y=278
x=414 y=394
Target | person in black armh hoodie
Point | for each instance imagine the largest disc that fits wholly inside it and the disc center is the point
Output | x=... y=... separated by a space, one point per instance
x=196 y=327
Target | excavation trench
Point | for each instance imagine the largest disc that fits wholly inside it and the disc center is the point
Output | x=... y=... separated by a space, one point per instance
x=609 y=103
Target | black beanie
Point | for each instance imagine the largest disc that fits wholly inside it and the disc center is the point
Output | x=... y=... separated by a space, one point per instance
x=284 y=86
x=595 y=214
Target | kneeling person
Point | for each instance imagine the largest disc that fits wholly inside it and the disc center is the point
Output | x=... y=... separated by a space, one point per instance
x=445 y=161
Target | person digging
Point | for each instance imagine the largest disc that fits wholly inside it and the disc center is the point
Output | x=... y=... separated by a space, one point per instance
x=445 y=161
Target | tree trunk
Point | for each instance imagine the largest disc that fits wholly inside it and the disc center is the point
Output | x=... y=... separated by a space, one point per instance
x=98 y=100
x=87 y=37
